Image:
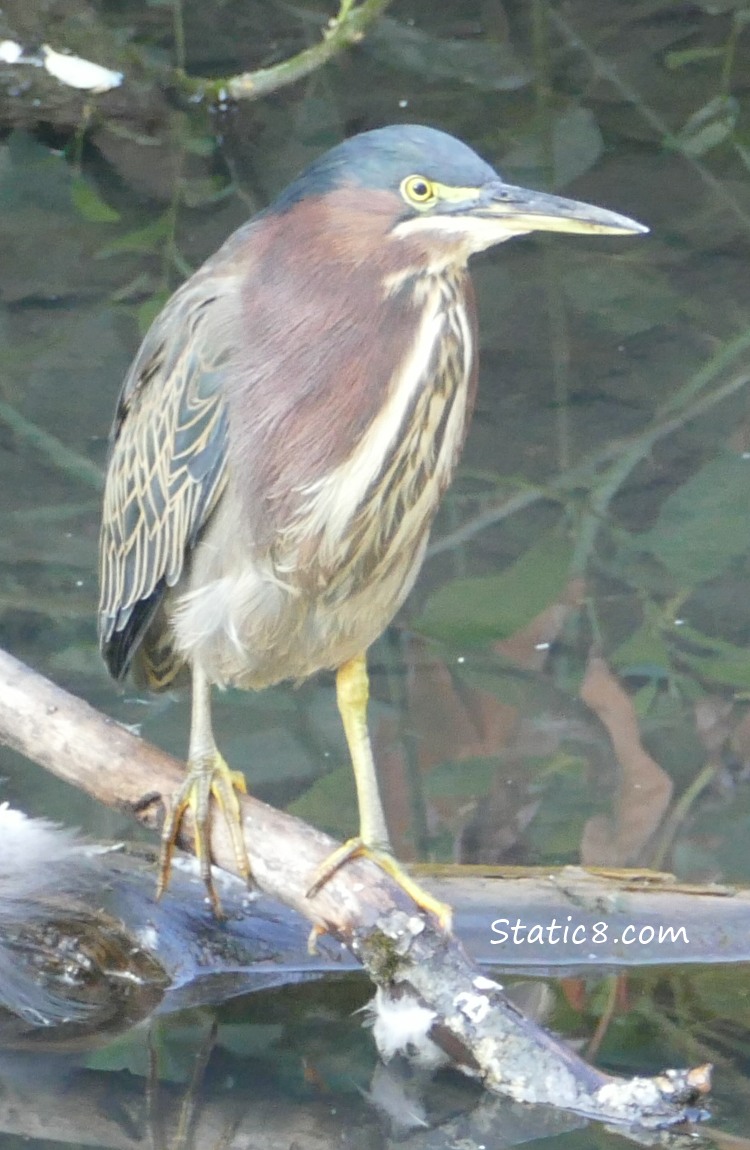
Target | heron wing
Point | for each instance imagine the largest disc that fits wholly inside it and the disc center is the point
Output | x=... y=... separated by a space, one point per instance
x=167 y=465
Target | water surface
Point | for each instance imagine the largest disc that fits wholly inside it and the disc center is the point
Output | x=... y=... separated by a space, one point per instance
x=569 y=680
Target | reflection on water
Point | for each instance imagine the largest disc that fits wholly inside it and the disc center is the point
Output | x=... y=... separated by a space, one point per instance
x=569 y=680
x=297 y=1068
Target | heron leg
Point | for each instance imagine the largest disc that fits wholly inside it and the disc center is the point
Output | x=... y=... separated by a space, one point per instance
x=207 y=775
x=352 y=695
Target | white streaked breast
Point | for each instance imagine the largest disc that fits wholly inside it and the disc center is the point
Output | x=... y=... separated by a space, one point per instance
x=333 y=503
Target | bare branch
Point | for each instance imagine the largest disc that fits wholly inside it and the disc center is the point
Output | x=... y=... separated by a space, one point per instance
x=345 y=29
x=67 y=461
x=465 y=1014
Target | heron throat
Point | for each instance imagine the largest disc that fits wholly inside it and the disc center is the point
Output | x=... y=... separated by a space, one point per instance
x=372 y=513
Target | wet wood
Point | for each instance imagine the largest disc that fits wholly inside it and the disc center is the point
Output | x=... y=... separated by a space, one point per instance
x=404 y=952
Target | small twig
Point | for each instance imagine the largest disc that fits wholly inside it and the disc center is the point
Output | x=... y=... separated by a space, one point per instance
x=60 y=456
x=52 y=606
x=346 y=28
x=625 y=452
x=604 y=68
x=189 y=1106
x=178 y=24
x=556 y=311
x=608 y=486
x=602 y=1026
x=682 y=806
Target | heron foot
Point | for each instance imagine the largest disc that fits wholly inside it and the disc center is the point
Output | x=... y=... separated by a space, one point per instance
x=358 y=848
x=206 y=776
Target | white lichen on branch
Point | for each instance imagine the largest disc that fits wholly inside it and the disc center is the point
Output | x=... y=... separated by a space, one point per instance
x=452 y=1004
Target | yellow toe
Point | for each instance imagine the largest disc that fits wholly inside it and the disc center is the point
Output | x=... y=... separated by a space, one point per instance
x=358 y=848
x=206 y=777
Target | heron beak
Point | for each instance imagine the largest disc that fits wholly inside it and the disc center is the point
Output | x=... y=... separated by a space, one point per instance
x=521 y=210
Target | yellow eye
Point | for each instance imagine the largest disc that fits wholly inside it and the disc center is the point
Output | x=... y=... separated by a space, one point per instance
x=418 y=190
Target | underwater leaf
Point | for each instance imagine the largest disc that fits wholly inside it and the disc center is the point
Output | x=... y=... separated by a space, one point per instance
x=146 y=239
x=202 y=190
x=577 y=144
x=467 y=779
x=330 y=803
x=487 y=607
x=723 y=671
x=743 y=152
x=719 y=7
x=89 y=203
x=709 y=126
x=686 y=56
x=200 y=145
x=150 y=308
x=643 y=653
x=702 y=526
x=625 y=298
x=487 y=64
x=136 y=288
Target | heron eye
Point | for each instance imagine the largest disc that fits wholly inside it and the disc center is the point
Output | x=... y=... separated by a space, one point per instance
x=418 y=190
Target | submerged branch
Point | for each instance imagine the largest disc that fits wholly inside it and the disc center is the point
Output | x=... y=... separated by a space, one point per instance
x=463 y=1013
x=63 y=458
x=622 y=454
x=603 y=67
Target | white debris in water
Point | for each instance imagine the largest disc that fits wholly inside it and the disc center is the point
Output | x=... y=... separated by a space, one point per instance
x=79 y=73
x=10 y=52
x=401 y=1025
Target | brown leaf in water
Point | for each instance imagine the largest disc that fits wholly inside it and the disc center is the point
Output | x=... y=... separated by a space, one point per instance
x=454 y=721
x=451 y=722
x=575 y=993
x=725 y=1141
x=644 y=788
x=529 y=647
x=393 y=773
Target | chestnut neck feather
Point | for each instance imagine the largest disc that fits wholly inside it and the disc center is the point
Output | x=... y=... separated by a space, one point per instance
x=319 y=344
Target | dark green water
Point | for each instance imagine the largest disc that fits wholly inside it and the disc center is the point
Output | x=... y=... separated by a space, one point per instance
x=601 y=510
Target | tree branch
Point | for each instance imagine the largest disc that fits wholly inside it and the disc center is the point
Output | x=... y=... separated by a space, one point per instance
x=344 y=29
x=463 y=1013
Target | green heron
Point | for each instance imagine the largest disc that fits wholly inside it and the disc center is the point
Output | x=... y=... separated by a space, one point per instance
x=285 y=434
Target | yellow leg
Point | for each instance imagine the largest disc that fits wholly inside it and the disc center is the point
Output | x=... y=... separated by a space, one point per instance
x=352 y=695
x=207 y=775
